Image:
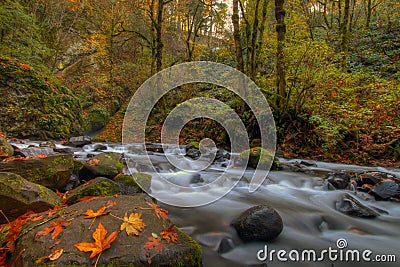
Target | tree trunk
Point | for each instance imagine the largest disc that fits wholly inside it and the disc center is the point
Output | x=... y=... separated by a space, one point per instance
x=253 y=49
x=236 y=36
x=344 y=45
x=159 y=43
x=369 y=13
x=280 y=57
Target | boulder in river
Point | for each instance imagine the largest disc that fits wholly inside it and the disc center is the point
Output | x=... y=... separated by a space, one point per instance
x=99 y=186
x=53 y=171
x=128 y=184
x=259 y=223
x=126 y=250
x=256 y=160
x=102 y=165
x=386 y=189
x=18 y=195
x=79 y=141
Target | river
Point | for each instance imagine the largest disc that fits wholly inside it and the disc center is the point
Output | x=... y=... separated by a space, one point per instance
x=311 y=221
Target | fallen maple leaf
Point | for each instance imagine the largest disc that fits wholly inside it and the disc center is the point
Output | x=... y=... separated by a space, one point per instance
x=93 y=162
x=56 y=227
x=154 y=242
x=100 y=244
x=41 y=156
x=133 y=225
x=16 y=159
x=160 y=212
x=54 y=255
x=169 y=234
x=94 y=214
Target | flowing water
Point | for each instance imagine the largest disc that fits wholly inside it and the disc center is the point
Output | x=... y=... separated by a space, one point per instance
x=308 y=212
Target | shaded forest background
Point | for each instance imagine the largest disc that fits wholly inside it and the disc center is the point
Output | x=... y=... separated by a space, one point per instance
x=330 y=69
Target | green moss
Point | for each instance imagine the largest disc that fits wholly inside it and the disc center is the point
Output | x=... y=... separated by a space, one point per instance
x=103 y=188
x=119 y=166
x=190 y=259
x=78 y=165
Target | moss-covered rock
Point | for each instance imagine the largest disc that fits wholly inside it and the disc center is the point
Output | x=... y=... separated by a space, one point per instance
x=18 y=195
x=102 y=165
x=98 y=187
x=128 y=184
x=264 y=161
x=6 y=150
x=124 y=251
x=53 y=171
x=34 y=105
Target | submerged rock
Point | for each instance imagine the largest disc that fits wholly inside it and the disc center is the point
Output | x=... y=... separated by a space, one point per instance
x=259 y=223
x=124 y=251
x=97 y=187
x=102 y=165
x=53 y=171
x=352 y=207
x=18 y=195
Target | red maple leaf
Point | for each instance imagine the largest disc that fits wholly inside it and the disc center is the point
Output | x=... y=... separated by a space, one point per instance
x=154 y=242
x=160 y=212
x=169 y=234
x=56 y=227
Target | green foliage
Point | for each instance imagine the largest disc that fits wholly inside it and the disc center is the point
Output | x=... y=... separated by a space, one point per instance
x=20 y=35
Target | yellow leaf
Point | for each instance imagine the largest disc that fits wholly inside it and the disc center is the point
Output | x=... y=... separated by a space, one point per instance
x=133 y=224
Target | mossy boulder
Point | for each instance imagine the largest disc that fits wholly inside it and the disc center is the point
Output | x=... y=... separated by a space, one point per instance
x=53 y=171
x=267 y=159
x=18 y=195
x=35 y=105
x=102 y=165
x=124 y=251
x=99 y=186
x=128 y=184
x=6 y=150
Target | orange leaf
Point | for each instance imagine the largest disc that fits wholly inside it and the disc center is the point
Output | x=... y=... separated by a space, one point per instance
x=154 y=242
x=88 y=198
x=100 y=244
x=160 y=212
x=41 y=156
x=94 y=214
x=93 y=162
x=56 y=227
x=16 y=159
x=169 y=234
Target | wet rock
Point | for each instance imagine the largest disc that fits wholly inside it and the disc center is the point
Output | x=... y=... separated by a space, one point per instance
x=386 y=189
x=102 y=165
x=53 y=171
x=337 y=180
x=127 y=184
x=47 y=144
x=193 y=153
x=154 y=147
x=259 y=223
x=37 y=151
x=79 y=141
x=352 y=207
x=124 y=251
x=97 y=187
x=6 y=150
x=18 y=195
x=99 y=147
x=226 y=245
